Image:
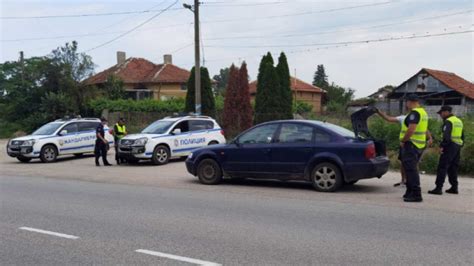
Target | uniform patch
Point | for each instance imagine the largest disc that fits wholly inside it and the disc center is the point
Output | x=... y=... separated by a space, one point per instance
x=444 y=128
x=412 y=117
x=176 y=143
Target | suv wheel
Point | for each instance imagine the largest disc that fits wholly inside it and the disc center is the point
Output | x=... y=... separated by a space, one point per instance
x=326 y=177
x=213 y=143
x=209 y=172
x=161 y=155
x=23 y=159
x=48 y=154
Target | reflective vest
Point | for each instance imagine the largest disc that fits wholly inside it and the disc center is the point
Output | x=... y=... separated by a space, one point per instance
x=419 y=136
x=456 y=130
x=120 y=131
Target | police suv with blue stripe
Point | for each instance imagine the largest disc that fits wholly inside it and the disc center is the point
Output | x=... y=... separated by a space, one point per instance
x=171 y=137
x=61 y=137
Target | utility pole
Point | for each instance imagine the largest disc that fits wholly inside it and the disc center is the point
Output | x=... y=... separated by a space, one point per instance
x=197 y=56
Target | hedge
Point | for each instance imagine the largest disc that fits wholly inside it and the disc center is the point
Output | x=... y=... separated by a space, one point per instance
x=129 y=105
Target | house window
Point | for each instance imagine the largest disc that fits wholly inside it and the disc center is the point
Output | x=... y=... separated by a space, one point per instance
x=139 y=94
x=184 y=87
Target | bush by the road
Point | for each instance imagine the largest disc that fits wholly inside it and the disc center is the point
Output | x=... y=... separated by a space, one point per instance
x=147 y=105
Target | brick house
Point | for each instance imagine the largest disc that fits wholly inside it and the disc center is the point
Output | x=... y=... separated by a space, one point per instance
x=435 y=88
x=301 y=91
x=144 y=79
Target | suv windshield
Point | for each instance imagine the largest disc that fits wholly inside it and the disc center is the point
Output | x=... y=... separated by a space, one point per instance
x=158 y=127
x=48 y=129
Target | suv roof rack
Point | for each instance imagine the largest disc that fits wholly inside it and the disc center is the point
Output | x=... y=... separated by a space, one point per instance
x=183 y=115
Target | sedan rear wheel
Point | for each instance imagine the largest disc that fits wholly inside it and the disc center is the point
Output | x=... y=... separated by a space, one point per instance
x=209 y=172
x=326 y=177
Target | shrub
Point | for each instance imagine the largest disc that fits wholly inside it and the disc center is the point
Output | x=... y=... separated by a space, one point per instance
x=429 y=161
x=147 y=105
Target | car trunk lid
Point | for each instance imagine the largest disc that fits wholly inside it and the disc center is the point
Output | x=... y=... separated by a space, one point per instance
x=361 y=128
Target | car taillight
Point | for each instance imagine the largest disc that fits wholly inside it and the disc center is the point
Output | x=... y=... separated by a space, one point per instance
x=370 y=151
x=222 y=132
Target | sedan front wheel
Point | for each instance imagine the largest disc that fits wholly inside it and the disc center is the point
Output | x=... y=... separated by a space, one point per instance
x=209 y=172
x=326 y=177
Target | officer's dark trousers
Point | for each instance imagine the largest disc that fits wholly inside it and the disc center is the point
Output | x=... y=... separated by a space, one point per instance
x=116 y=141
x=410 y=156
x=449 y=164
x=100 y=150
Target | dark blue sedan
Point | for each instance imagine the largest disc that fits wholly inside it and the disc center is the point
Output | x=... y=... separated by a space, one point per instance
x=325 y=154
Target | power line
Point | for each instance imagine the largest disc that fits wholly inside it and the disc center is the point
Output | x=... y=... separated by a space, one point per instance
x=90 y=14
x=302 y=13
x=134 y=28
x=210 y=21
x=342 y=30
x=414 y=36
x=326 y=46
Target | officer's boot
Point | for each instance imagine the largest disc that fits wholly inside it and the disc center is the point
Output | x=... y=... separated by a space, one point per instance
x=414 y=196
x=452 y=190
x=407 y=193
x=436 y=191
x=97 y=162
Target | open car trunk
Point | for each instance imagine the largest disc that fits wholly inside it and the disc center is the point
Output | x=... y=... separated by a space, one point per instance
x=361 y=129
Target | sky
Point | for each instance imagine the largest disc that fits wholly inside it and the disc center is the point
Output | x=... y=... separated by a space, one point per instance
x=310 y=32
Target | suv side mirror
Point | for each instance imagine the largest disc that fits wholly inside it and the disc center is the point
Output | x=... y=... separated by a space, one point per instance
x=176 y=131
x=63 y=132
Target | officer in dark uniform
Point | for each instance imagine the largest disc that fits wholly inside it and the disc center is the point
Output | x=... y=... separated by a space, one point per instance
x=101 y=144
x=453 y=140
x=412 y=143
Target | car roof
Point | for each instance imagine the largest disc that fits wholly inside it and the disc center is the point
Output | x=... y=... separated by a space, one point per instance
x=78 y=119
x=178 y=118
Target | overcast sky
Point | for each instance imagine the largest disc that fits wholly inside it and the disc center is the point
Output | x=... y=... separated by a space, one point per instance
x=233 y=31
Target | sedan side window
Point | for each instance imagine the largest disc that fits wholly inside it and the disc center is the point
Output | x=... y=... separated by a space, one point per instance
x=259 y=135
x=296 y=133
x=322 y=136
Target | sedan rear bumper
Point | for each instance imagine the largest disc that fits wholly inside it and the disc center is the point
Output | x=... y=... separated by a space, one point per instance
x=374 y=168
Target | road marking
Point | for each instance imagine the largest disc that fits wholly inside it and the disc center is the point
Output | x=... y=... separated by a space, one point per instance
x=176 y=257
x=48 y=232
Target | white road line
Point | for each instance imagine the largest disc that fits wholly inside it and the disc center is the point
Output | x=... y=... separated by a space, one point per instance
x=175 y=257
x=48 y=232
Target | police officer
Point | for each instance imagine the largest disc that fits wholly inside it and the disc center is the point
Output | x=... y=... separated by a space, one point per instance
x=101 y=144
x=412 y=143
x=119 y=132
x=453 y=140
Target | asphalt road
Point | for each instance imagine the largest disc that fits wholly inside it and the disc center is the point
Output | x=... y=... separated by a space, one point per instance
x=106 y=223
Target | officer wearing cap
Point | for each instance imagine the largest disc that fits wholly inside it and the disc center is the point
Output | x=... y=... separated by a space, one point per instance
x=119 y=132
x=101 y=144
x=412 y=143
x=450 y=146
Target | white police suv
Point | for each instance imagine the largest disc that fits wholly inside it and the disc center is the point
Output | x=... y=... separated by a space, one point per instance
x=61 y=137
x=171 y=137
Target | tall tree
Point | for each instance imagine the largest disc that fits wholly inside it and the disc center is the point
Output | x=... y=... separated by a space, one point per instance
x=246 y=112
x=320 y=78
x=74 y=67
x=221 y=80
x=113 y=88
x=231 y=111
x=208 y=105
x=268 y=83
x=286 y=99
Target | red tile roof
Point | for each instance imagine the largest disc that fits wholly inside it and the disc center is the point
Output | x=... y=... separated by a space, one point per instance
x=139 y=70
x=296 y=85
x=453 y=81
